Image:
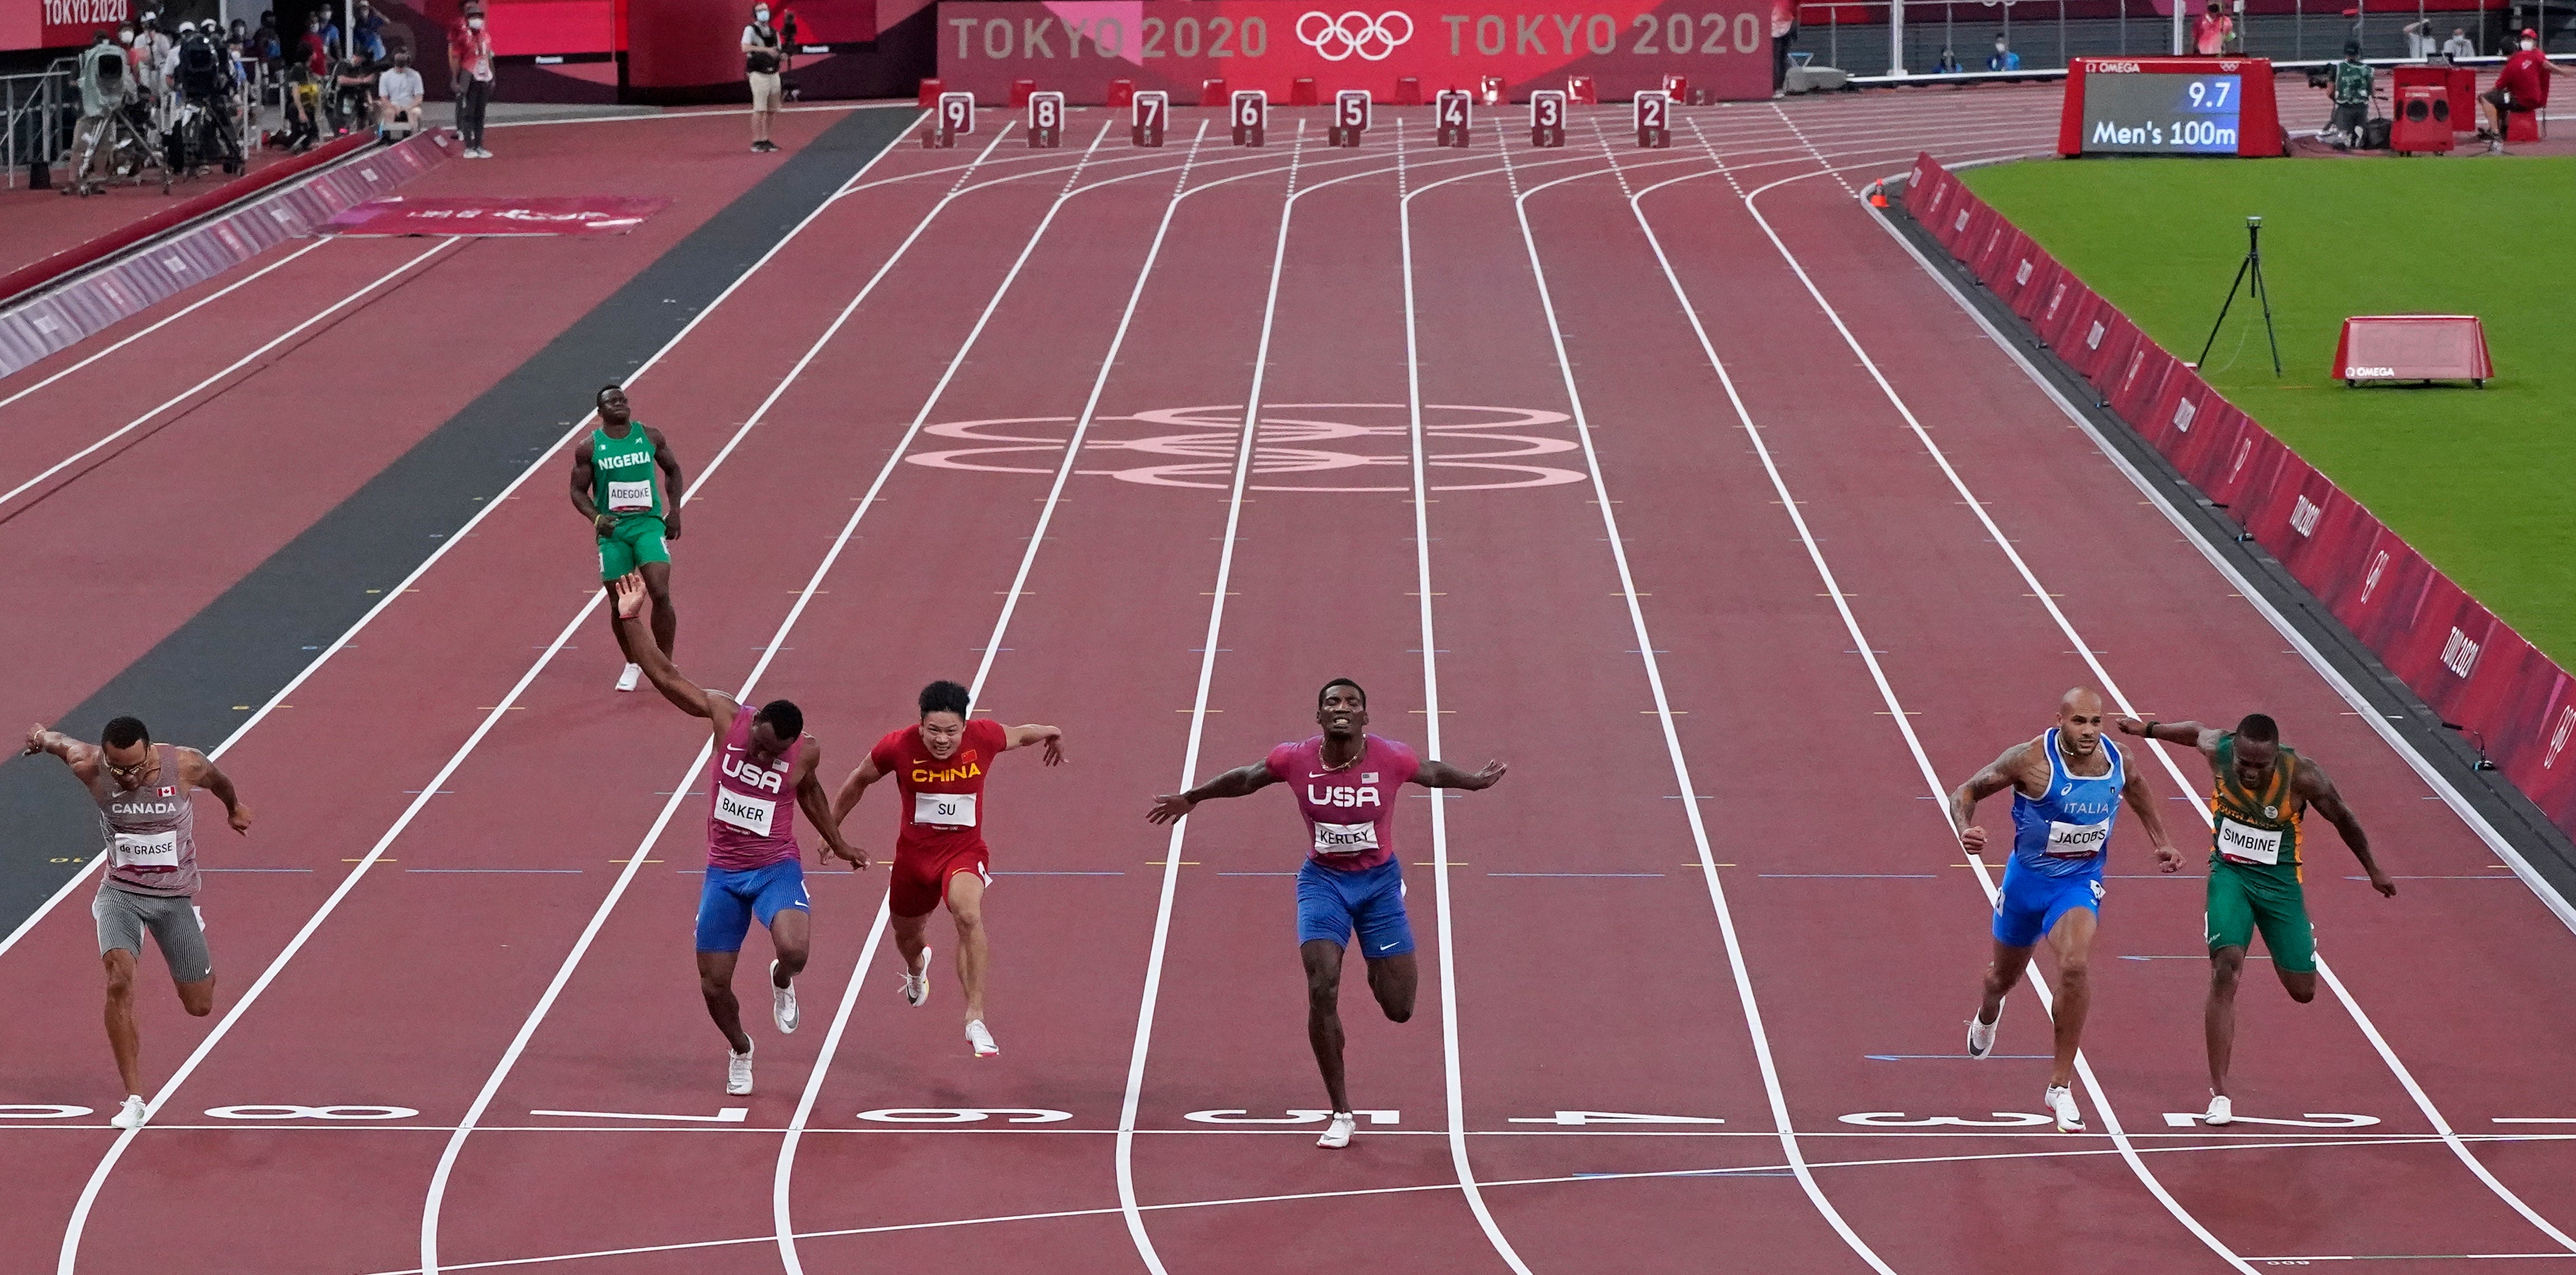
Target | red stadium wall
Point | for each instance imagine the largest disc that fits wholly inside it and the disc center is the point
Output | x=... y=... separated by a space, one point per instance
x=2468 y=665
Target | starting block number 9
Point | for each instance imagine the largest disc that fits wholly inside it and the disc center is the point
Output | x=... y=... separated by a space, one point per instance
x=957 y=112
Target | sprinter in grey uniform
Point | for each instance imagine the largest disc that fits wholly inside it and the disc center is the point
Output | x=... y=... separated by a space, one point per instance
x=145 y=802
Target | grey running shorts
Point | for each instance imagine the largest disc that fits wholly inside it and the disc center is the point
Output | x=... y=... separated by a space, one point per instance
x=123 y=916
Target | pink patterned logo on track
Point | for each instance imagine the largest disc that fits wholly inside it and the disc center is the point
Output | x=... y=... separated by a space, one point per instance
x=1301 y=447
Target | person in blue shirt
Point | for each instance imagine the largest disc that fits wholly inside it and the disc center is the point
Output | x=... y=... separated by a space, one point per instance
x=2067 y=784
x=2004 y=58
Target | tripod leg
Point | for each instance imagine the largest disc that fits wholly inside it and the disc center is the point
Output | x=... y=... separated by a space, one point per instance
x=2264 y=294
x=2223 y=307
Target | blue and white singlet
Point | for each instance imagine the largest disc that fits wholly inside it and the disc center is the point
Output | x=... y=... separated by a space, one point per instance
x=2069 y=830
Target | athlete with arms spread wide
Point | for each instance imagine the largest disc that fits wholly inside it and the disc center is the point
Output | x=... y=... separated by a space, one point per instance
x=1346 y=783
x=2258 y=791
x=2067 y=785
x=754 y=869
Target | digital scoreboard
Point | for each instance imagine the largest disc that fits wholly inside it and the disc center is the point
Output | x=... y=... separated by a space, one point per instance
x=2169 y=106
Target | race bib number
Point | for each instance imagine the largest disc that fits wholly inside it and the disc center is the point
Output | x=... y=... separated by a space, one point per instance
x=2077 y=840
x=624 y=498
x=944 y=809
x=1345 y=838
x=751 y=814
x=147 y=849
x=2240 y=844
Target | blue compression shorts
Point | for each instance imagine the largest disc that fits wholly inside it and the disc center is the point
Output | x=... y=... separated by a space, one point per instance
x=2031 y=901
x=731 y=899
x=1332 y=903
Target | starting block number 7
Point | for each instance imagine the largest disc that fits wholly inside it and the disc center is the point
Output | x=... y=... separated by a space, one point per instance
x=1046 y=119
x=1152 y=111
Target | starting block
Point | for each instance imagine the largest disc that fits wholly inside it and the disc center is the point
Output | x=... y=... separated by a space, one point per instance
x=1301 y=91
x=956 y=115
x=1352 y=114
x=1677 y=87
x=1547 y=118
x=1046 y=120
x=1579 y=91
x=1453 y=110
x=1654 y=119
x=1152 y=111
x=1250 y=112
x=1492 y=89
x=1121 y=93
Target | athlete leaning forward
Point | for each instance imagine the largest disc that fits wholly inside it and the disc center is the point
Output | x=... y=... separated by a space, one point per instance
x=2258 y=791
x=146 y=805
x=939 y=764
x=1351 y=880
x=754 y=869
x=2067 y=785
x=625 y=480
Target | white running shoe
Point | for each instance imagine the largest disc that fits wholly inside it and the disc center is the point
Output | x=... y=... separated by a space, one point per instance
x=916 y=987
x=627 y=680
x=1337 y=1135
x=782 y=1004
x=981 y=1039
x=129 y=1116
x=2061 y=1104
x=1981 y=1036
x=738 y=1072
x=2221 y=1110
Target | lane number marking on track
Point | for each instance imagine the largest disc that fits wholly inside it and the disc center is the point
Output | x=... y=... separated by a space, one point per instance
x=1296 y=1115
x=723 y=1115
x=1899 y=1120
x=282 y=1111
x=1611 y=1117
x=40 y=1111
x=964 y=1115
x=2315 y=1120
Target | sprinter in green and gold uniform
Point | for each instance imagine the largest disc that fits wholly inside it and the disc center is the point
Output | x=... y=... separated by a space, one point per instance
x=2258 y=792
x=627 y=483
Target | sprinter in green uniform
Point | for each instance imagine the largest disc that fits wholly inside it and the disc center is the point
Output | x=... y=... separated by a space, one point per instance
x=2258 y=792
x=623 y=479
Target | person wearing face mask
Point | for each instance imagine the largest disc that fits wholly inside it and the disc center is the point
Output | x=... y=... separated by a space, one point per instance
x=2523 y=85
x=469 y=54
x=2211 y=31
x=2003 y=58
x=2459 y=45
x=398 y=98
x=763 y=57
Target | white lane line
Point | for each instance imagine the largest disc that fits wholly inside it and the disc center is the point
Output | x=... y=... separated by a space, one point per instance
x=1896 y=708
x=235 y=366
x=1773 y=1091
x=1994 y=531
x=167 y=320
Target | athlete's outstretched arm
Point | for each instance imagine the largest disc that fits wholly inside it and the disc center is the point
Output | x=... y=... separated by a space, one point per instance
x=73 y=752
x=1242 y=781
x=853 y=788
x=818 y=807
x=199 y=770
x=2311 y=783
x=1052 y=737
x=673 y=482
x=2003 y=772
x=1440 y=774
x=2142 y=799
x=2204 y=738
x=667 y=678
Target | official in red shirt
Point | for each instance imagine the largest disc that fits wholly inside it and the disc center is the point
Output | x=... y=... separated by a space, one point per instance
x=940 y=764
x=2523 y=85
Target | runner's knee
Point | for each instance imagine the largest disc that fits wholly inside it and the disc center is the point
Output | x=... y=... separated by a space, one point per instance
x=120 y=979
x=2302 y=986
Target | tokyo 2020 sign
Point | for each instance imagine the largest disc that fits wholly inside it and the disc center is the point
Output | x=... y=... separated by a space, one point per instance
x=1625 y=46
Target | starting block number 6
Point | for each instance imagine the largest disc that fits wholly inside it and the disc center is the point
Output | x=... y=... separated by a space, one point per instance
x=1251 y=113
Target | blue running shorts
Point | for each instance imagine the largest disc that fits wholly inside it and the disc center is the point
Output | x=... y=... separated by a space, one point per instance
x=1331 y=903
x=731 y=899
x=2031 y=901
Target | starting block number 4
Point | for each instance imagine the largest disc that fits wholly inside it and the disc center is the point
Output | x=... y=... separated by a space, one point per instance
x=1351 y=118
x=1251 y=114
x=1654 y=119
x=1547 y=117
x=1153 y=110
x=956 y=115
x=1046 y=120
x=1454 y=110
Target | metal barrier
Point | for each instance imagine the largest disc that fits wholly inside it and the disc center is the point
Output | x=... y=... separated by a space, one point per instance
x=1936 y=37
x=37 y=113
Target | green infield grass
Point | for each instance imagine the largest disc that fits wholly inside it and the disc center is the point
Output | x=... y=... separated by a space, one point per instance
x=2482 y=481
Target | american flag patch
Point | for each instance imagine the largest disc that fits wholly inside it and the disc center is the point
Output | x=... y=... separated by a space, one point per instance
x=1368 y=776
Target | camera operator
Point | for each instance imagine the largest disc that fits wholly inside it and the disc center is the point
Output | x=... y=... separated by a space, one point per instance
x=2349 y=83
x=205 y=81
x=764 y=57
x=353 y=92
x=105 y=87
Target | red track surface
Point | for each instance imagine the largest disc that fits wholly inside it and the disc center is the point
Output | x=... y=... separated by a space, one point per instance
x=1587 y=945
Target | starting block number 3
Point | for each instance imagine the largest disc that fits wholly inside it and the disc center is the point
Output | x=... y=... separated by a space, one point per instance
x=1046 y=120
x=1547 y=117
x=1153 y=110
x=1654 y=119
x=1251 y=115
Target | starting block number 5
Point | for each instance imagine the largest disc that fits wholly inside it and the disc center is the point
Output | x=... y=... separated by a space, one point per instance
x=1351 y=117
x=1046 y=119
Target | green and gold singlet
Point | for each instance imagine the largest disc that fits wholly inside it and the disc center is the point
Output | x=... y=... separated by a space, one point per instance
x=2256 y=828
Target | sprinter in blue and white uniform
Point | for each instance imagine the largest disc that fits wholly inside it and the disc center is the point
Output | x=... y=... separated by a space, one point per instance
x=2067 y=784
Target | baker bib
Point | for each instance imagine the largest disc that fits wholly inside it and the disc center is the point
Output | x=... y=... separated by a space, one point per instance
x=2241 y=844
x=750 y=814
x=627 y=498
x=1345 y=838
x=2077 y=840
x=147 y=849
x=944 y=809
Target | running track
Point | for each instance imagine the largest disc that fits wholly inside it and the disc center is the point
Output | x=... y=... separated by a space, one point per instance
x=1665 y=475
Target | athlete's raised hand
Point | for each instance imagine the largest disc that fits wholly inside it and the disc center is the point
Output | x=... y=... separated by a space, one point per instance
x=1486 y=777
x=2129 y=726
x=1052 y=753
x=36 y=739
x=630 y=595
x=1170 y=807
x=1972 y=839
x=1440 y=774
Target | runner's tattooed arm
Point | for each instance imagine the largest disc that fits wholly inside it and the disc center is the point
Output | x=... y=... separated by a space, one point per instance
x=1242 y=781
x=584 y=476
x=853 y=788
x=673 y=482
x=1440 y=774
x=2319 y=792
x=2006 y=771
x=2142 y=799
x=1052 y=737
x=199 y=771
x=2204 y=738
x=688 y=696
x=818 y=807
x=82 y=758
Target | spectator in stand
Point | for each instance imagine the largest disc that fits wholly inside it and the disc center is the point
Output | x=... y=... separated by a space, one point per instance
x=1947 y=63
x=469 y=55
x=153 y=54
x=2523 y=85
x=399 y=93
x=2459 y=45
x=316 y=48
x=1784 y=32
x=302 y=107
x=2419 y=39
x=763 y=58
x=368 y=33
x=2004 y=59
x=105 y=86
x=2350 y=88
x=2211 y=31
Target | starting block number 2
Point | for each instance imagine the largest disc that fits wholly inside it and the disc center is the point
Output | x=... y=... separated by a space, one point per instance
x=1654 y=119
x=1046 y=119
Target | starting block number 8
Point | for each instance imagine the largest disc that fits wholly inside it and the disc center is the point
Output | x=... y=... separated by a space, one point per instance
x=1046 y=119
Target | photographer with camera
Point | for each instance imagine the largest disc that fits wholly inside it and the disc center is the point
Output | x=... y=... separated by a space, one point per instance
x=205 y=85
x=353 y=92
x=764 y=57
x=2348 y=83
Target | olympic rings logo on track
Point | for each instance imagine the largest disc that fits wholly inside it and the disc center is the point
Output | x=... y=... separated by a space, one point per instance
x=1337 y=39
